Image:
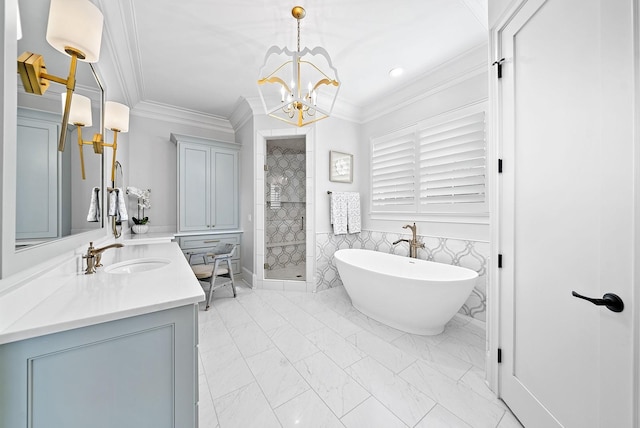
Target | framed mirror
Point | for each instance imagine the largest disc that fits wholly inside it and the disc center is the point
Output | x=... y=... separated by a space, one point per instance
x=45 y=200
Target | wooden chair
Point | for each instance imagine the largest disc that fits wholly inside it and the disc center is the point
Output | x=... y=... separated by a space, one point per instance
x=217 y=276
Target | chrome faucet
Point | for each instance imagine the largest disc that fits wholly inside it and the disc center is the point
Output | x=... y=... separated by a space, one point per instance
x=413 y=244
x=94 y=255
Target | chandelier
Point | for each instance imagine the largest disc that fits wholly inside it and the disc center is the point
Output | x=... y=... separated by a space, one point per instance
x=292 y=87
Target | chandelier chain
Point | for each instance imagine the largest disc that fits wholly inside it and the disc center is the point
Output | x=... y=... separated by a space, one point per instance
x=298 y=35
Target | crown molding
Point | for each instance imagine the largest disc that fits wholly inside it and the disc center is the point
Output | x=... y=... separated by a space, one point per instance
x=460 y=68
x=242 y=113
x=182 y=116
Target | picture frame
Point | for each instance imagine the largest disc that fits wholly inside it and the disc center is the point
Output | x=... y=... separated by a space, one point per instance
x=340 y=167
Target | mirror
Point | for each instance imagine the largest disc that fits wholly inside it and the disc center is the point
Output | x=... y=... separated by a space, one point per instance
x=52 y=200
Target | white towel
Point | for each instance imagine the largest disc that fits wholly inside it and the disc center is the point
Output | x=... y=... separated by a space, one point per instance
x=353 y=212
x=94 y=205
x=274 y=196
x=339 y=212
x=117 y=206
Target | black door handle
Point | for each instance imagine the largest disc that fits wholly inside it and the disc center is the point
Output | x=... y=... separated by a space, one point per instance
x=612 y=301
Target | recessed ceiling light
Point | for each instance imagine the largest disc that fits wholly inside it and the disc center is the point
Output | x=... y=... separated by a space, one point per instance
x=396 y=72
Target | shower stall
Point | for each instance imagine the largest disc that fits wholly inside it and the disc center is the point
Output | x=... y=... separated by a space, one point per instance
x=285 y=210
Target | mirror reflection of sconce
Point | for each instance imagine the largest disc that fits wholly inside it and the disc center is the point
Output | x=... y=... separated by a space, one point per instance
x=75 y=29
x=116 y=119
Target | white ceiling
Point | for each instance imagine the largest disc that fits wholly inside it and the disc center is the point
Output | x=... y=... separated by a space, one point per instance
x=203 y=55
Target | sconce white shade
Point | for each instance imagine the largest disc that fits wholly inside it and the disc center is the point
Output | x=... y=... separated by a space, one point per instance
x=116 y=116
x=76 y=24
x=80 y=112
x=19 y=22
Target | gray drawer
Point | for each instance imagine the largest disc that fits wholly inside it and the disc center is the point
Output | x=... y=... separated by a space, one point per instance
x=201 y=241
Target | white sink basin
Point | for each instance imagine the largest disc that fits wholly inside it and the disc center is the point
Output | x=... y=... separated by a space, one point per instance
x=137 y=265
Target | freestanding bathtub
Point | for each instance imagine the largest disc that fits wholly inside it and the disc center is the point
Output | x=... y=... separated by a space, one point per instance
x=412 y=295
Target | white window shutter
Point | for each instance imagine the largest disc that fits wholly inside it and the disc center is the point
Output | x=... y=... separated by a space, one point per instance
x=393 y=169
x=436 y=166
x=452 y=162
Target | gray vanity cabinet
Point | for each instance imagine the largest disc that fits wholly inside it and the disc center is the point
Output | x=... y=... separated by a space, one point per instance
x=207 y=184
x=133 y=372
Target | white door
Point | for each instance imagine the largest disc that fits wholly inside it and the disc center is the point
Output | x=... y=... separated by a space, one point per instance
x=566 y=103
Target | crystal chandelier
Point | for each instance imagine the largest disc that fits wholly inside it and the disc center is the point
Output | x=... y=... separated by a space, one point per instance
x=292 y=87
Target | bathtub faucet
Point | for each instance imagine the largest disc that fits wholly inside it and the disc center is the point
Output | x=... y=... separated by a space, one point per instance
x=413 y=244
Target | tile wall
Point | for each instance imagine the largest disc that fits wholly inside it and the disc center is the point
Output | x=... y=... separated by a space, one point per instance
x=285 y=238
x=470 y=254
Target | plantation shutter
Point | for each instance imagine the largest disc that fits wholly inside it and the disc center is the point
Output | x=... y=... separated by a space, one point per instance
x=452 y=158
x=393 y=169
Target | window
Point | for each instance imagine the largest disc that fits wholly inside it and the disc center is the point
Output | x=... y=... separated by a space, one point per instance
x=435 y=166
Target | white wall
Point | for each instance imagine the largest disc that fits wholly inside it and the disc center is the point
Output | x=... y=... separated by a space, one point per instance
x=461 y=82
x=245 y=136
x=153 y=164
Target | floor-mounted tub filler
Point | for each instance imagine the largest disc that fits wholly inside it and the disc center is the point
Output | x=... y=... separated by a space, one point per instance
x=412 y=295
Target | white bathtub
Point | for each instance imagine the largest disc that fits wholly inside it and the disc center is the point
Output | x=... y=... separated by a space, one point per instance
x=412 y=295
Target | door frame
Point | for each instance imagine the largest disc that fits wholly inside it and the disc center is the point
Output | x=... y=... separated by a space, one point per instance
x=260 y=159
x=494 y=150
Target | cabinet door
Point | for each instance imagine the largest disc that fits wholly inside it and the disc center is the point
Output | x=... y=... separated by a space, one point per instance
x=224 y=201
x=195 y=191
x=37 y=163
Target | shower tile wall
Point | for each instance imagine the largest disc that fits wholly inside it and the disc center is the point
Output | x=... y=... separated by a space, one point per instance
x=285 y=237
x=470 y=254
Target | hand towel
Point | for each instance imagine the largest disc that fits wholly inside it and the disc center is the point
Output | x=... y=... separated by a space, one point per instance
x=353 y=212
x=274 y=196
x=339 y=213
x=94 y=206
x=117 y=206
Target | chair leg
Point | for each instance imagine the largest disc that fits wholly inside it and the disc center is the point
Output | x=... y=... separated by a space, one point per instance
x=233 y=282
x=208 y=295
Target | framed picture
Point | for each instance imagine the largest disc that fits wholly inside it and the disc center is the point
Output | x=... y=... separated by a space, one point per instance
x=340 y=167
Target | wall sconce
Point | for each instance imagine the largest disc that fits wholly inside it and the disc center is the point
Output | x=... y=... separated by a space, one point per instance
x=116 y=119
x=75 y=29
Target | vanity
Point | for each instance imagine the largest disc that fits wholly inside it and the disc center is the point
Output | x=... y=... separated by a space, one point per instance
x=116 y=348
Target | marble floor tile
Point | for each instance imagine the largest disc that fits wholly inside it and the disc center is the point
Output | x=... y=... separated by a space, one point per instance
x=277 y=358
x=336 y=347
x=337 y=323
x=265 y=316
x=206 y=413
x=509 y=421
x=302 y=321
x=454 y=396
x=339 y=391
x=213 y=335
x=472 y=352
x=232 y=312
x=395 y=393
x=386 y=354
x=292 y=343
x=439 y=417
x=307 y=410
x=371 y=414
x=225 y=369
x=279 y=381
x=474 y=379
x=381 y=330
x=423 y=348
x=250 y=339
x=307 y=302
x=245 y=407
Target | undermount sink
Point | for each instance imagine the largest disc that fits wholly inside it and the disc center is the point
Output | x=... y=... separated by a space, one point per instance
x=137 y=265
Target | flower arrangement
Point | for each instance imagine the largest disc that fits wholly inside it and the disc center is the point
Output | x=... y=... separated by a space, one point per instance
x=144 y=202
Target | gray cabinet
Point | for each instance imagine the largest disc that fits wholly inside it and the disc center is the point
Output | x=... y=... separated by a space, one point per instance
x=207 y=184
x=134 y=372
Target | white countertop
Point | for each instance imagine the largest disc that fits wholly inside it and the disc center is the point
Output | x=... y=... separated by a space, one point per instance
x=146 y=238
x=82 y=300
